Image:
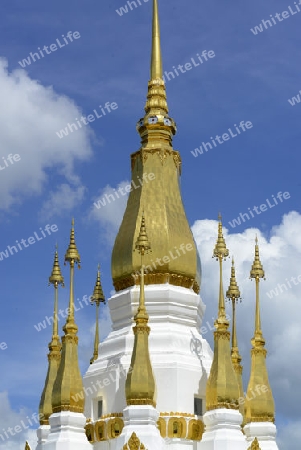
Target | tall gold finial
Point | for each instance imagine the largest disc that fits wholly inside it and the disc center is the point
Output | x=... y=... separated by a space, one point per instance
x=233 y=294
x=54 y=355
x=222 y=390
x=221 y=253
x=156 y=170
x=259 y=405
x=140 y=381
x=156 y=118
x=68 y=386
x=156 y=61
x=97 y=297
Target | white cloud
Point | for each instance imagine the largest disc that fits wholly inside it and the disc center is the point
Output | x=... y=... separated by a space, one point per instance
x=64 y=199
x=280 y=255
x=110 y=212
x=15 y=426
x=30 y=115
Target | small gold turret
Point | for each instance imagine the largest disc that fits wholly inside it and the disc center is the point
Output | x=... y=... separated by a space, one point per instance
x=68 y=386
x=222 y=390
x=27 y=446
x=155 y=187
x=140 y=381
x=54 y=355
x=259 y=405
x=233 y=294
x=97 y=297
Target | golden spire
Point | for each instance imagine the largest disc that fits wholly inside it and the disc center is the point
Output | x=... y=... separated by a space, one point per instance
x=259 y=405
x=68 y=385
x=222 y=390
x=97 y=297
x=233 y=294
x=55 y=346
x=156 y=170
x=27 y=446
x=140 y=381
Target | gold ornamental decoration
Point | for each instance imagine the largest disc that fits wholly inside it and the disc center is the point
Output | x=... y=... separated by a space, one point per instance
x=254 y=445
x=134 y=443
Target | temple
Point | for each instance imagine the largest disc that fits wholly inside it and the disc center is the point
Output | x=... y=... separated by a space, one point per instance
x=154 y=382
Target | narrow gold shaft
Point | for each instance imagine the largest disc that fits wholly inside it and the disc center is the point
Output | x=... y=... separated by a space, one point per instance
x=55 y=312
x=156 y=59
x=234 y=335
x=257 y=313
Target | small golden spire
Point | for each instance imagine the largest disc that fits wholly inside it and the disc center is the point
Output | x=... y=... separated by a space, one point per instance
x=68 y=386
x=259 y=405
x=222 y=390
x=140 y=381
x=156 y=60
x=27 y=446
x=156 y=123
x=221 y=253
x=97 y=297
x=233 y=293
x=54 y=346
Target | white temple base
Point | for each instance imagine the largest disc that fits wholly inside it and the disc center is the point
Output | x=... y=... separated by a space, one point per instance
x=67 y=432
x=42 y=434
x=223 y=431
x=265 y=433
x=142 y=420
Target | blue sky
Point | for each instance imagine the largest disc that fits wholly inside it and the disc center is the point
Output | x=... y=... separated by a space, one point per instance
x=250 y=78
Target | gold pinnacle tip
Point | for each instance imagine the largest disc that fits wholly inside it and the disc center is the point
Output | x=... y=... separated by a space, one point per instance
x=142 y=244
x=98 y=295
x=220 y=250
x=56 y=276
x=72 y=252
x=257 y=268
x=233 y=292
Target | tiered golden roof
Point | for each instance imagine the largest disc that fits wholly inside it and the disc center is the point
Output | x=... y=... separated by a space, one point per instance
x=97 y=297
x=160 y=196
x=140 y=381
x=54 y=355
x=259 y=405
x=222 y=390
x=68 y=386
x=233 y=293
